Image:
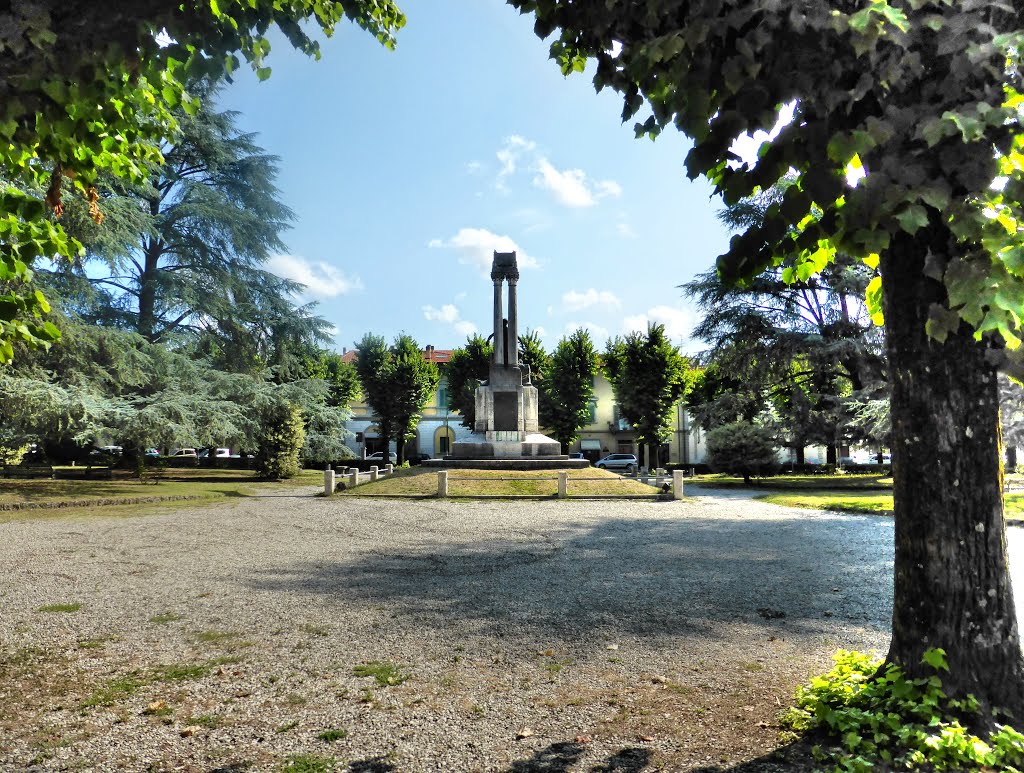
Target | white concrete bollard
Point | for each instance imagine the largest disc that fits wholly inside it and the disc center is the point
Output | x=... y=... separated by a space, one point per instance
x=563 y=484
x=373 y=473
x=353 y=478
x=677 y=484
x=389 y=469
x=328 y=482
x=442 y=484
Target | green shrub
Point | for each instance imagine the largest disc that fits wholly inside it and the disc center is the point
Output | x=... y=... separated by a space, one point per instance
x=742 y=448
x=880 y=719
x=280 y=437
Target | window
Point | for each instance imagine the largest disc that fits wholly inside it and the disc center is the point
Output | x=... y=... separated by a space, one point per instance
x=442 y=398
x=592 y=417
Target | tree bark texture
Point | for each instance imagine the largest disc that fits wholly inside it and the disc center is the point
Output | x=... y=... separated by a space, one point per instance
x=952 y=581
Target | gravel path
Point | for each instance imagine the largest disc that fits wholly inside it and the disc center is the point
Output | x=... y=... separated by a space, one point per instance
x=536 y=636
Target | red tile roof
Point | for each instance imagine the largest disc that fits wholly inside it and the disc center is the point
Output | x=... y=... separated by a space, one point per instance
x=438 y=356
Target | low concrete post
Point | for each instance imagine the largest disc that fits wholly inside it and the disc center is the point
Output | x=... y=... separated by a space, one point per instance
x=677 y=484
x=563 y=484
x=328 y=482
x=442 y=484
x=388 y=469
x=373 y=473
x=353 y=478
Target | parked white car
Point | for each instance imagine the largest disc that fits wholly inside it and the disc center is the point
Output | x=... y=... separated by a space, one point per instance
x=379 y=457
x=621 y=462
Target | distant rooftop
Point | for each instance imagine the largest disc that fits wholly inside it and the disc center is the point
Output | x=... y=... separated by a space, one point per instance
x=430 y=354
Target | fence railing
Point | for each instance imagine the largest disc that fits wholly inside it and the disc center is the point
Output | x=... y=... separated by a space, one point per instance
x=352 y=477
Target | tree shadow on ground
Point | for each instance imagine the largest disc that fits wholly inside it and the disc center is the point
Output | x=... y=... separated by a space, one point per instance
x=560 y=758
x=641 y=576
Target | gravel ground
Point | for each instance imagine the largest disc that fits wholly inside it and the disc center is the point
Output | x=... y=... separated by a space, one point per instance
x=536 y=636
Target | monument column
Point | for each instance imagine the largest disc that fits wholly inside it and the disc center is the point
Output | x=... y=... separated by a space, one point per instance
x=499 y=341
x=513 y=323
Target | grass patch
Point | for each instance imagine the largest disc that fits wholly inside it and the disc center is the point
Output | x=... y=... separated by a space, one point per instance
x=67 y=498
x=386 y=674
x=92 y=644
x=332 y=735
x=115 y=690
x=799 y=482
x=73 y=607
x=165 y=618
x=214 y=637
x=287 y=726
x=316 y=630
x=204 y=720
x=874 y=503
x=309 y=763
x=420 y=482
x=182 y=672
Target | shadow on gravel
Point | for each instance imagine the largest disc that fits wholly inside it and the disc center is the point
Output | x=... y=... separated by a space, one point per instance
x=560 y=757
x=642 y=577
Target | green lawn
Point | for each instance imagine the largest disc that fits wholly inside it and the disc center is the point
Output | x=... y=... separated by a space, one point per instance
x=70 y=497
x=871 y=494
x=800 y=482
x=870 y=503
x=417 y=481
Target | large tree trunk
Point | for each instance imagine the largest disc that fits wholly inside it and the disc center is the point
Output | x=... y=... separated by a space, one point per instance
x=800 y=456
x=952 y=582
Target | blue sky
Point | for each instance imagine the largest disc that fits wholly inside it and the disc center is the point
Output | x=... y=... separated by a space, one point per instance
x=407 y=168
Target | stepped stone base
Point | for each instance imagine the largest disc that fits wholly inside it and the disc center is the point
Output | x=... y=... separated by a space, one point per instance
x=507 y=445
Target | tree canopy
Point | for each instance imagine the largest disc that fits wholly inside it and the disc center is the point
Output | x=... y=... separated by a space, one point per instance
x=649 y=377
x=924 y=98
x=569 y=386
x=91 y=89
x=183 y=253
x=396 y=382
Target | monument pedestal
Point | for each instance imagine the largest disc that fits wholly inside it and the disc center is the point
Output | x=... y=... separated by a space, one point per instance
x=506 y=427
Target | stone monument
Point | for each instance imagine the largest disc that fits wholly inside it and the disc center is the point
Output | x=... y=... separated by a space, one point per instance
x=506 y=428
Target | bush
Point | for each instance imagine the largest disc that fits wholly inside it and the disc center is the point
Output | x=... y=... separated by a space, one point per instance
x=875 y=718
x=743 y=449
x=280 y=437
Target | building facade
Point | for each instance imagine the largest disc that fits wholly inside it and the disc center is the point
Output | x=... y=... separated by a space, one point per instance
x=606 y=433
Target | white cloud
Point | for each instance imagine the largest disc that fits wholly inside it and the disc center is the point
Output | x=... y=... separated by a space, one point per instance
x=465 y=328
x=513 y=148
x=678 y=322
x=449 y=314
x=574 y=300
x=625 y=230
x=321 y=280
x=571 y=186
x=598 y=334
x=476 y=247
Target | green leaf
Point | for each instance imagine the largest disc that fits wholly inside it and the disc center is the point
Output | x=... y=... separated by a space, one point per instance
x=936 y=658
x=873 y=300
x=913 y=218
